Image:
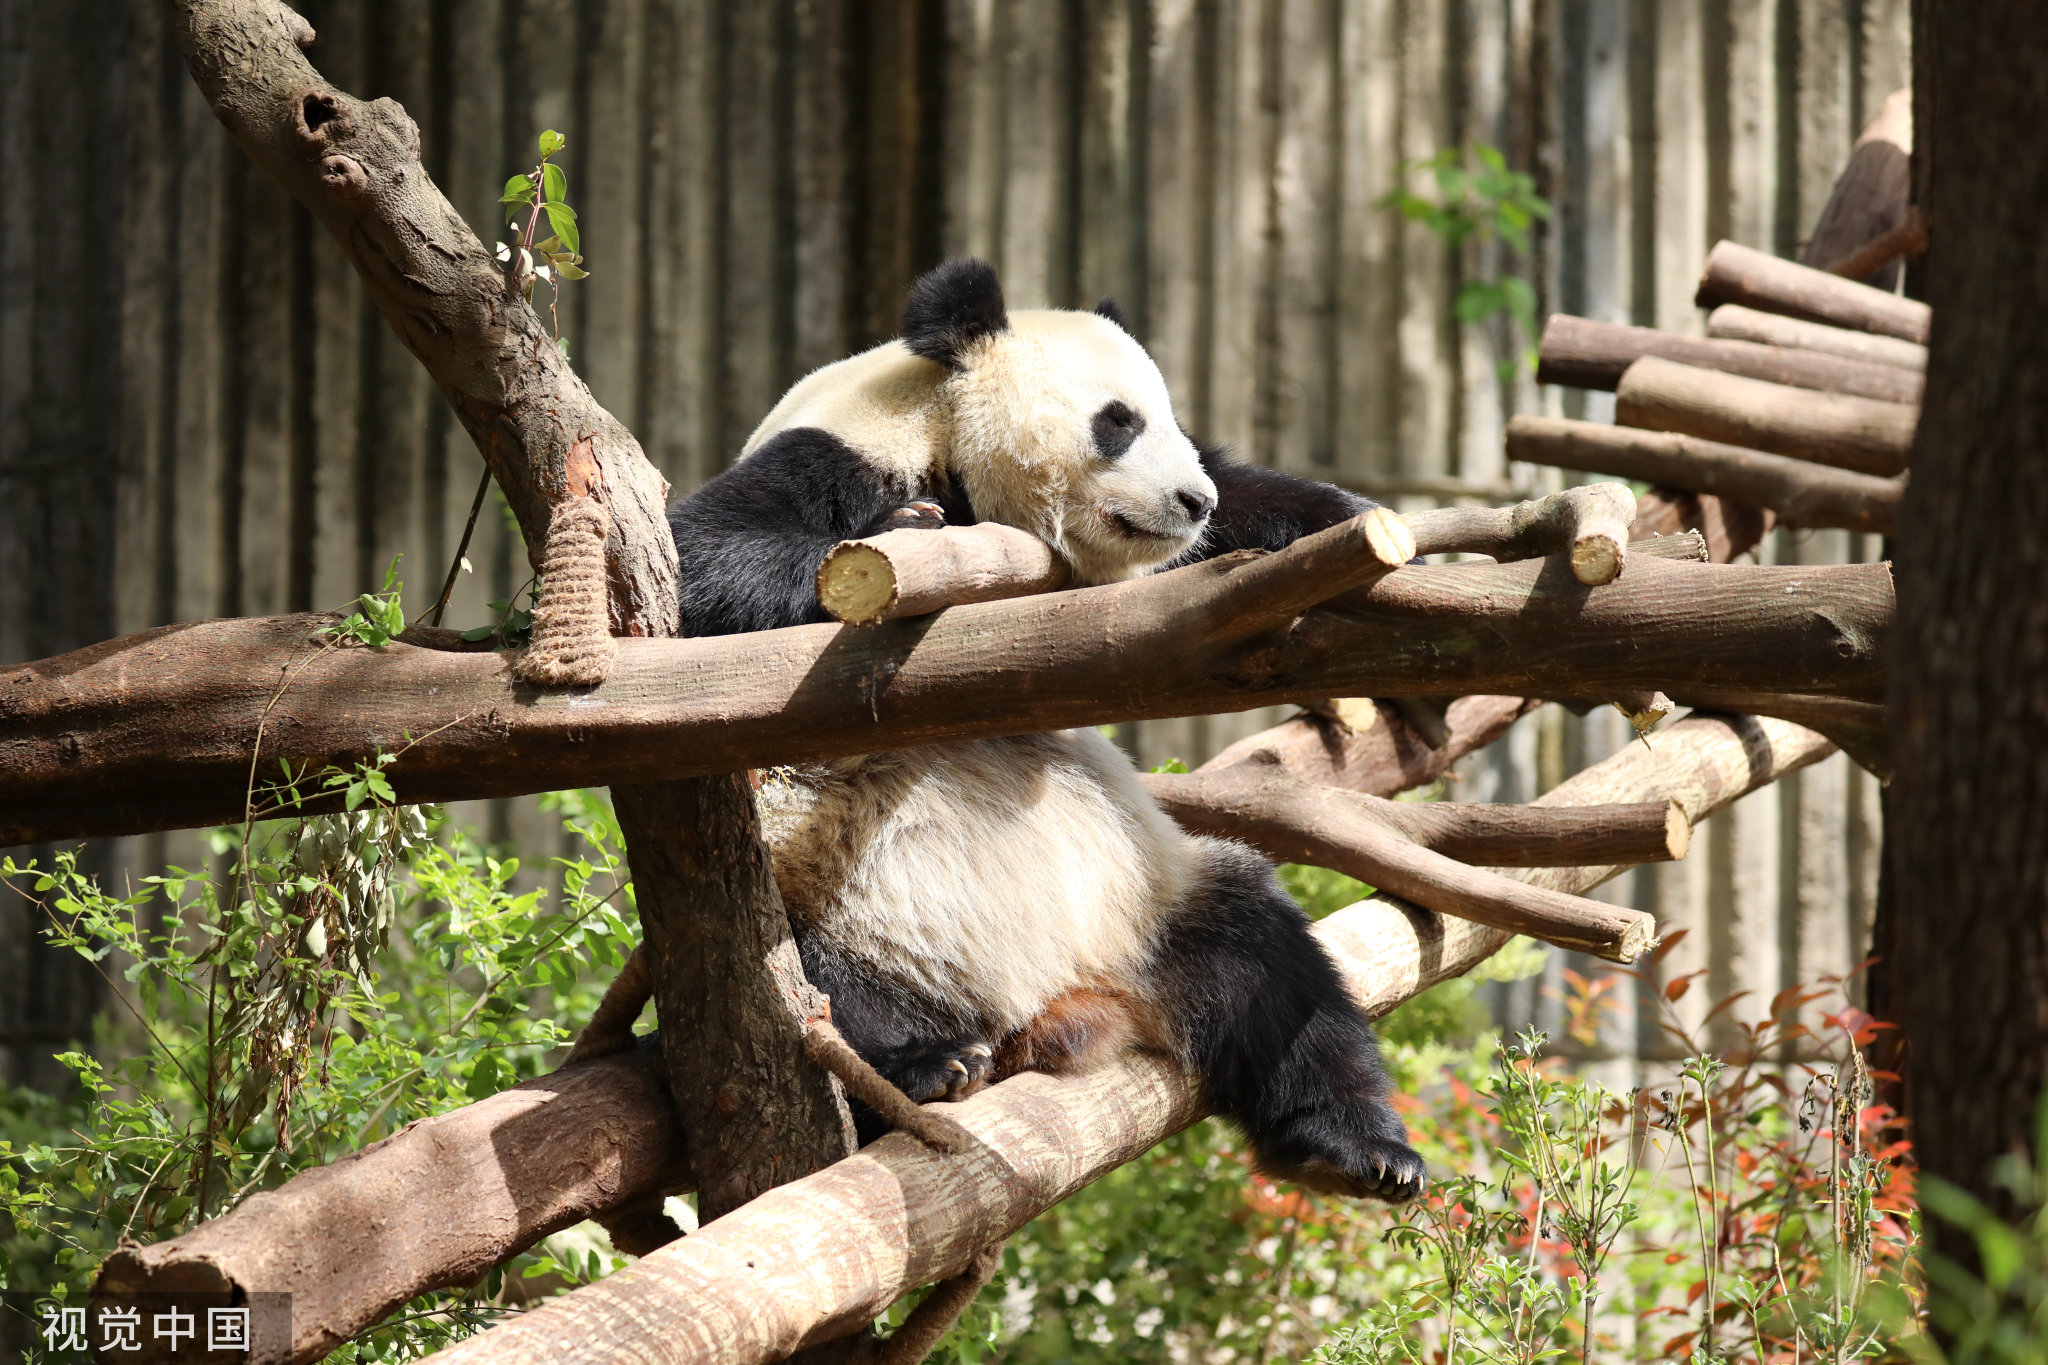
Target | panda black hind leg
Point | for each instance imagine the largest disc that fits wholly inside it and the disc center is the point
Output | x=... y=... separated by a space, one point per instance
x=1279 y=1044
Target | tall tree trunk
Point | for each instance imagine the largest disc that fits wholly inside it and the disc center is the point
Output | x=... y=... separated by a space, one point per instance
x=1969 y=938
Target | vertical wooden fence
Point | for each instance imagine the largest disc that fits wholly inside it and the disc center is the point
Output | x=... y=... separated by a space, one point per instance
x=200 y=415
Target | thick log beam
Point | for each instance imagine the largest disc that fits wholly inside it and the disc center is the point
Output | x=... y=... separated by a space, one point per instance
x=1585 y=354
x=1860 y=434
x=1799 y=491
x=157 y=731
x=814 y=1259
x=1734 y=322
x=1756 y=279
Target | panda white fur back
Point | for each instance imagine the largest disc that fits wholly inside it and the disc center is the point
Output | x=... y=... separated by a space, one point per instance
x=983 y=907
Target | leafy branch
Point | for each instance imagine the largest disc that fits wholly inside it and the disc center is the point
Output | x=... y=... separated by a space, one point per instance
x=542 y=193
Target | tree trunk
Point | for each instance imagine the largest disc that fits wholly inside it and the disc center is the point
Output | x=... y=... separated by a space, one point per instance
x=1969 y=856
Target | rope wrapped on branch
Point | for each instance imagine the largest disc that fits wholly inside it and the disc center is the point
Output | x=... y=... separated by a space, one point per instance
x=572 y=639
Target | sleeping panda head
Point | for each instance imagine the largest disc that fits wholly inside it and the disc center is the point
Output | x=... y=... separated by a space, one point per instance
x=1060 y=424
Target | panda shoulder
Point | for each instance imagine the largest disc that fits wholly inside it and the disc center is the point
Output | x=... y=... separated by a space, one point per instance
x=882 y=403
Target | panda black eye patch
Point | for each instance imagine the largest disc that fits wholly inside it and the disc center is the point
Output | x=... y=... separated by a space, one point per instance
x=1116 y=424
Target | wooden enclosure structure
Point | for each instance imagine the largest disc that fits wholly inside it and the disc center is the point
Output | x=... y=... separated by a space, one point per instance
x=201 y=415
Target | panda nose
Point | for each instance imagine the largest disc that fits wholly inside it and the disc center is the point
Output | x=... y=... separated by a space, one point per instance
x=1195 y=503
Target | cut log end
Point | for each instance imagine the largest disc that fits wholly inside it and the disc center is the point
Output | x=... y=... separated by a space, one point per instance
x=1639 y=938
x=857 y=584
x=1677 y=832
x=1388 y=537
x=1597 y=558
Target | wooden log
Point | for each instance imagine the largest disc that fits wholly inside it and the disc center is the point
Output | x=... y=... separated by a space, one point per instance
x=158 y=730
x=1300 y=822
x=812 y=1260
x=914 y=573
x=1384 y=758
x=1871 y=197
x=1729 y=528
x=1799 y=492
x=1590 y=522
x=1857 y=728
x=1585 y=354
x=1687 y=547
x=436 y=1205
x=1828 y=428
x=1908 y=239
x=1740 y=274
x=1734 y=322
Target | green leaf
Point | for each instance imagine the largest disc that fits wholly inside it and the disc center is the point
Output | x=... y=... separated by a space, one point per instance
x=563 y=219
x=571 y=271
x=518 y=190
x=475 y=633
x=552 y=142
x=554 y=184
x=1479 y=299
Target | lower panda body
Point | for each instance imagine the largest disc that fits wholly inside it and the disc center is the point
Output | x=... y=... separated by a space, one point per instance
x=982 y=908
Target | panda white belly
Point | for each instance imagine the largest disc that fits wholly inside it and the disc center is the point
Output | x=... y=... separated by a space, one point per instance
x=1013 y=869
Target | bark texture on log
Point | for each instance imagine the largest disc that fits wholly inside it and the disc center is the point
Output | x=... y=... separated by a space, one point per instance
x=86 y=734
x=1799 y=491
x=1733 y=321
x=1589 y=523
x=1291 y=821
x=1967 y=863
x=913 y=573
x=356 y=165
x=1387 y=758
x=1593 y=355
x=729 y=991
x=437 y=1204
x=1861 y=434
x=1234 y=802
x=1756 y=279
x=815 y=1259
x=1872 y=196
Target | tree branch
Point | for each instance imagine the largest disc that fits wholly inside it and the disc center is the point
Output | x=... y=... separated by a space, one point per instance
x=1829 y=428
x=914 y=573
x=1740 y=274
x=1799 y=491
x=154 y=731
x=1403 y=849
x=1589 y=523
x=1733 y=321
x=356 y=165
x=1586 y=354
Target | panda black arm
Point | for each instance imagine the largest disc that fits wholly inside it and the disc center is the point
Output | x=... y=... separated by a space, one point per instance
x=1264 y=509
x=750 y=541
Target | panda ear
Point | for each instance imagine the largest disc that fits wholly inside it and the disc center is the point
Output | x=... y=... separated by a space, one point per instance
x=951 y=308
x=1105 y=307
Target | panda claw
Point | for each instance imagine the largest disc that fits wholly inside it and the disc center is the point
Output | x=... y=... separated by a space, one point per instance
x=979 y=1050
x=954 y=1064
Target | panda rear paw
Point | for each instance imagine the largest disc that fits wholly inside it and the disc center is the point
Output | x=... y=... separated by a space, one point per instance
x=1392 y=1172
x=939 y=1071
x=915 y=516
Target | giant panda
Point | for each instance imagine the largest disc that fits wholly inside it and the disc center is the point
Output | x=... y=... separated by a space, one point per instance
x=980 y=908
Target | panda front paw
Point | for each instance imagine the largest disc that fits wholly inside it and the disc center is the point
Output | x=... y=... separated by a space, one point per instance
x=914 y=516
x=940 y=1071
